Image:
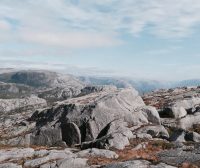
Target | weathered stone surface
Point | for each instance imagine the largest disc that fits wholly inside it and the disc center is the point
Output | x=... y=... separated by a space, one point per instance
x=19 y=141
x=17 y=105
x=120 y=134
x=151 y=114
x=188 y=121
x=10 y=165
x=115 y=134
x=46 y=137
x=129 y=164
x=136 y=164
x=92 y=113
x=72 y=163
x=99 y=88
x=15 y=153
x=94 y=152
x=155 y=131
x=178 y=156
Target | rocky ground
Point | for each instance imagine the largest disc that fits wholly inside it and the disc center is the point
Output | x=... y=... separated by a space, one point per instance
x=48 y=120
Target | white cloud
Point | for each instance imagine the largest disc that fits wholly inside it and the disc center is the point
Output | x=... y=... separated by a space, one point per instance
x=70 y=39
x=93 y=23
x=4 y=25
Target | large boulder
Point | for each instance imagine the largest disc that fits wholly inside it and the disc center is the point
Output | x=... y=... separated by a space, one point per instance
x=188 y=121
x=187 y=103
x=179 y=108
x=155 y=131
x=151 y=114
x=93 y=113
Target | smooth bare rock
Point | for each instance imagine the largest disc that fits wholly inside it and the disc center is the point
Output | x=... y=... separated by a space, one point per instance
x=179 y=108
x=24 y=140
x=36 y=162
x=99 y=88
x=188 y=103
x=151 y=114
x=179 y=112
x=120 y=134
x=10 y=165
x=72 y=163
x=129 y=164
x=116 y=135
x=137 y=164
x=188 y=121
x=155 y=131
x=94 y=152
x=119 y=140
x=93 y=112
x=15 y=153
x=46 y=136
x=51 y=155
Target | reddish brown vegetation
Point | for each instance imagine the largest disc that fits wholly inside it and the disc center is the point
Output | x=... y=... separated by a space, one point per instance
x=149 y=153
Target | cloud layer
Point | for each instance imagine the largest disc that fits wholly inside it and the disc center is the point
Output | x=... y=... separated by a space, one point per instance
x=52 y=28
x=92 y=23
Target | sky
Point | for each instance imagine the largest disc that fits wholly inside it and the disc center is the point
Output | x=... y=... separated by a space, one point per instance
x=148 y=39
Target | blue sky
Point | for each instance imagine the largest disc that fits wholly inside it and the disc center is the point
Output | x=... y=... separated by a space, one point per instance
x=149 y=39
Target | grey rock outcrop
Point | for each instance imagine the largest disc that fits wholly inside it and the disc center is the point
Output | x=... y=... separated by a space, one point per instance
x=94 y=112
x=48 y=85
x=137 y=164
x=94 y=152
x=24 y=104
x=151 y=114
x=12 y=90
x=46 y=137
x=155 y=131
x=179 y=156
x=10 y=165
x=39 y=78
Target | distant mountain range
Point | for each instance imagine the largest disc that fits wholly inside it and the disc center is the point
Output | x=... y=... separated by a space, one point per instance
x=143 y=86
x=38 y=78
